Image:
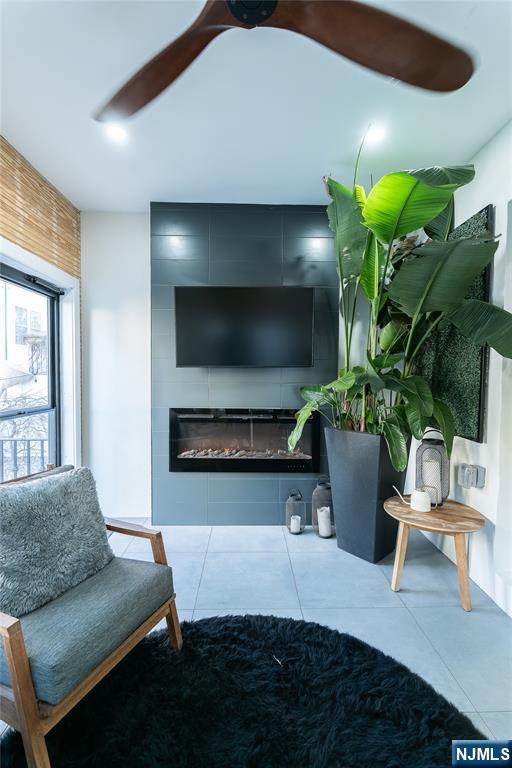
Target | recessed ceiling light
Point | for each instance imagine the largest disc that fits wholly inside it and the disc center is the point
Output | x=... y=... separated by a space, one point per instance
x=375 y=134
x=116 y=133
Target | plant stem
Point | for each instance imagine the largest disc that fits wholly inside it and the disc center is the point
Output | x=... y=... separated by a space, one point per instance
x=358 y=157
x=352 y=317
x=363 y=411
x=345 y=323
x=432 y=326
x=417 y=313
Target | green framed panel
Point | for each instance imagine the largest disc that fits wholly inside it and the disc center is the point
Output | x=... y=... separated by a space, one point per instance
x=455 y=367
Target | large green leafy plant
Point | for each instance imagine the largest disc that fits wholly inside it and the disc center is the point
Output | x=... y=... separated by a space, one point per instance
x=393 y=254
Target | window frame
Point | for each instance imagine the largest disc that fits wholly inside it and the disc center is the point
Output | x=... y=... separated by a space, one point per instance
x=53 y=294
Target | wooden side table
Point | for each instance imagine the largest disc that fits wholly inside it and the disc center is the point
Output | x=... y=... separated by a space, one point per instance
x=451 y=519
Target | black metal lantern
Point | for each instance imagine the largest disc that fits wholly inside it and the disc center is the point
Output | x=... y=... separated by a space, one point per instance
x=433 y=467
x=295 y=512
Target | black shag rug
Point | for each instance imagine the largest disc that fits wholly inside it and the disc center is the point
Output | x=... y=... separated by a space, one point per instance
x=255 y=692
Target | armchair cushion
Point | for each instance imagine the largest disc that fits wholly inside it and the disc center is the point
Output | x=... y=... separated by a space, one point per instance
x=52 y=537
x=69 y=637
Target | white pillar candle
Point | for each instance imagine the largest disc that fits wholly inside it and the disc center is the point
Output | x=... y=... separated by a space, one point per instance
x=295 y=524
x=324 y=522
x=431 y=473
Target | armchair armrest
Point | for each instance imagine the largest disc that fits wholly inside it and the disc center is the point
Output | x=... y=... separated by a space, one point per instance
x=130 y=529
x=133 y=529
x=8 y=625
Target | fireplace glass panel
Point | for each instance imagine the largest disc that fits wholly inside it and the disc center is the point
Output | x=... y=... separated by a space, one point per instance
x=239 y=440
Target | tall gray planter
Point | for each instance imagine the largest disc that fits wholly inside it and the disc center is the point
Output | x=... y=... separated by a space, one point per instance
x=362 y=478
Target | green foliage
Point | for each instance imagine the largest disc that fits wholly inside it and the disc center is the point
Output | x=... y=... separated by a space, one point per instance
x=444 y=418
x=439 y=228
x=437 y=276
x=345 y=220
x=484 y=323
x=302 y=416
x=410 y=290
x=413 y=389
x=402 y=202
x=390 y=334
x=372 y=270
x=396 y=444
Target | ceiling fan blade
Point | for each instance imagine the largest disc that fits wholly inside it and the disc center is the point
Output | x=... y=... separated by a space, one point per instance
x=169 y=64
x=377 y=40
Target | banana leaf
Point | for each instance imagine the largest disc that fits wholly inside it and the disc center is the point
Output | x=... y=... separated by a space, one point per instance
x=440 y=227
x=301 y=416
x=346 y=221
x=360 y=195
x=390 y=334
x=439 y=275
x=372 y=270
x=485 y=324
x=444 y=418
x=312 y=393
x=386 y=361
x=396 y=444
x=405 y=201
x=374 y=380
x=415 y=390
x=415 y=419
x=344 y=382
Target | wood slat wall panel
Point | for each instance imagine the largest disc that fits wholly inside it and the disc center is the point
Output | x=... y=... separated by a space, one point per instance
x=35 y=215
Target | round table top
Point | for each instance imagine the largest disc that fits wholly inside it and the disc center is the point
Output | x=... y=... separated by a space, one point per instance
x=450 y=518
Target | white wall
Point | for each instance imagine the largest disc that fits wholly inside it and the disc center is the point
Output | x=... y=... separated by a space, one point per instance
x=490 y=550
x=116 y=360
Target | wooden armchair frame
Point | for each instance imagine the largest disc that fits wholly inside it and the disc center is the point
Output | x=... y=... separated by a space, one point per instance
x=19 y=705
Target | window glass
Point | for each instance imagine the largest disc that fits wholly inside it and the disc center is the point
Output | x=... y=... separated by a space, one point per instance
x=29 y=395
x=35 y=321
x=24 y=349
x=27 y=445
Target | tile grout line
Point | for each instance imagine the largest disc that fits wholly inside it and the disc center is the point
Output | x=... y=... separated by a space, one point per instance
x=439 y=655
x=487 y=725
x=293 y=573
x=429 y=641
x=202 y=571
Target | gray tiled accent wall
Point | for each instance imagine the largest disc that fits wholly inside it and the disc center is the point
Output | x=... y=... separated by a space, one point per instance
x=203 y=244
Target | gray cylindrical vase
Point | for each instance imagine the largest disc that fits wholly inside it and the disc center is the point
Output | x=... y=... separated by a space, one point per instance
x=321 y=497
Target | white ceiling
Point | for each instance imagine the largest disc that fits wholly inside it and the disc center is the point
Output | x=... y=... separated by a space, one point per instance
x=259 y=117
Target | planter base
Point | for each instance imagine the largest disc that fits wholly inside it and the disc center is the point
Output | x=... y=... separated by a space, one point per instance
x=362 y=477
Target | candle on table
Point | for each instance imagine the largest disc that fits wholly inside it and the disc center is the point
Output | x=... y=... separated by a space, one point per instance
x=295 y=524
x=324 y=522
x=431 y=473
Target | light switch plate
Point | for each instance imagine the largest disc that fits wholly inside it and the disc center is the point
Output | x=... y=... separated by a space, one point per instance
x=471 y=476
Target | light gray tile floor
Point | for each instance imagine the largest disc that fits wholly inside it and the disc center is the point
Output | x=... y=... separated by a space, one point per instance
x=467 y=657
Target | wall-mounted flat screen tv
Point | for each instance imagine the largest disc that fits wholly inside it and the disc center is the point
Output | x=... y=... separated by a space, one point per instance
x=244 y=327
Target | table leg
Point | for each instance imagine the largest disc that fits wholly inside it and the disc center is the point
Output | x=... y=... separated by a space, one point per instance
x=462 y=570
x=401 y=548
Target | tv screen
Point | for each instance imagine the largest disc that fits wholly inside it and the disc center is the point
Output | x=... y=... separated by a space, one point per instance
x=244 y=327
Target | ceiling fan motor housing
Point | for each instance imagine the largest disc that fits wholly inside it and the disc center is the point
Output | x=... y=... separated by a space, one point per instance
x=252 y=12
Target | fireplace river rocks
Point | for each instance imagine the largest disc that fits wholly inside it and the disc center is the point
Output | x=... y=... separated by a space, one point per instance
x=241 y=453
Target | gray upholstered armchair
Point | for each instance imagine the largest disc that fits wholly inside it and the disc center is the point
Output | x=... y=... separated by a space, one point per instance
x=71 y=610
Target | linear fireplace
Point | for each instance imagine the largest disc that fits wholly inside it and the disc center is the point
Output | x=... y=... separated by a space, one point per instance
x=240 y=440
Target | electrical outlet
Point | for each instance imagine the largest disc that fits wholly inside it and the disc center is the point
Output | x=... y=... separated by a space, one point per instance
x=471 y=476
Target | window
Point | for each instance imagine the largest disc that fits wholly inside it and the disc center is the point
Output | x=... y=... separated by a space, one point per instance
x=29 y=366
x=35 y=321
x=20 y=314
